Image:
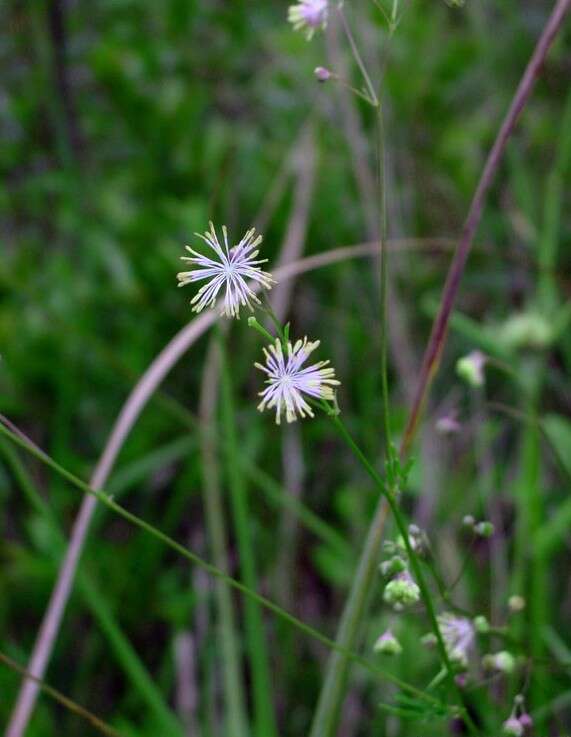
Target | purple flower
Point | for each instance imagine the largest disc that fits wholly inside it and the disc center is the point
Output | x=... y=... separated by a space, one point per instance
x=288 y=381
x=308 y=16
x=458 y=636
x=228 y=271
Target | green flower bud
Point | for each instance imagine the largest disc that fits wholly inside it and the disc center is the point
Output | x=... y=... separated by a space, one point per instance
x=482 y=625
x=484 y=529
x=504 y=662
x=429 y=640
x=471 y=369
x=395 y=565
x=401 y=591
x=387 y=644
x=526 y=330
x=516 y=603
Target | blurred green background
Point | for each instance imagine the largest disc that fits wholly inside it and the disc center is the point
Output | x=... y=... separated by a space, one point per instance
x=125 y=126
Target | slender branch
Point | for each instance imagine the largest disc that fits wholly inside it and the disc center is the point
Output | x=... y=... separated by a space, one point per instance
x=369 y=85
x=437 y=338
x=81 y=711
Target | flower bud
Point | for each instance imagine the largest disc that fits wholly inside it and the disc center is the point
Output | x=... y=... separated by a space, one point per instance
x=471 y=368
x=482 y=625
x=401 y=591
x=484 y=529
x=468 y=521
x=526 y=330
x=525 y=720
x=387 y=644
x=322 y=74
x=516 y=603
x=512 y=727
x=429 y=640
x=395 y=565
x=447 y=425
x=504 y=662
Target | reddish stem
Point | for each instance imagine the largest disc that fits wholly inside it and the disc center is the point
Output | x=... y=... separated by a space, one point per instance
x=437 y=338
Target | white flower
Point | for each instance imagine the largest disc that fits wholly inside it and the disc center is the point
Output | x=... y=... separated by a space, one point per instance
x=308 y=16
x=229 y=270
x=288 y=382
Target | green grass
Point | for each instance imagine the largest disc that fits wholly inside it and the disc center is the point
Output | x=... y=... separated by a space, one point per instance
x=125 y=129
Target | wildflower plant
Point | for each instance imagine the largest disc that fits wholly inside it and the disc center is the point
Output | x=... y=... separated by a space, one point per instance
x=231 y=275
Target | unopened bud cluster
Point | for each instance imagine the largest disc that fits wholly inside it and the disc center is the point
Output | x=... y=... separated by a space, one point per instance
x=519 y=722
x=481 y=529
x=387 y=644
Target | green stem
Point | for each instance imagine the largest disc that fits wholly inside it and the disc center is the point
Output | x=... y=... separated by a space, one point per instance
x=390 y=496
x=384 y=284
x=264 y=717
x=371 y=90
x=268 y=309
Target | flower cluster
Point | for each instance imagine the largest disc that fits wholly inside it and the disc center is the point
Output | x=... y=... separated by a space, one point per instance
x=234 y=273
x=519 y=721
x=401 y=591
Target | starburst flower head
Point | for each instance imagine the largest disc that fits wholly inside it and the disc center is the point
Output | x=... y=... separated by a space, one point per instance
x=308 y=16
x=226 y=271
x=288 y=381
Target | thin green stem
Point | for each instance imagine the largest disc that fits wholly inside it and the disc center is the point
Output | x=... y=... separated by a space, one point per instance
x=253 y=323
x=390 y=495
x=264 y=716
x=384 y=284
x=357 y=56
x=268 y=309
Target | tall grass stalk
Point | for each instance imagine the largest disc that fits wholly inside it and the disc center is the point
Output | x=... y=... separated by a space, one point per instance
x=230 y=663
x=264 y=715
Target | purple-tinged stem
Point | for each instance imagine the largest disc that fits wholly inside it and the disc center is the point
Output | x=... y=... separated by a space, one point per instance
x=437 y=338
